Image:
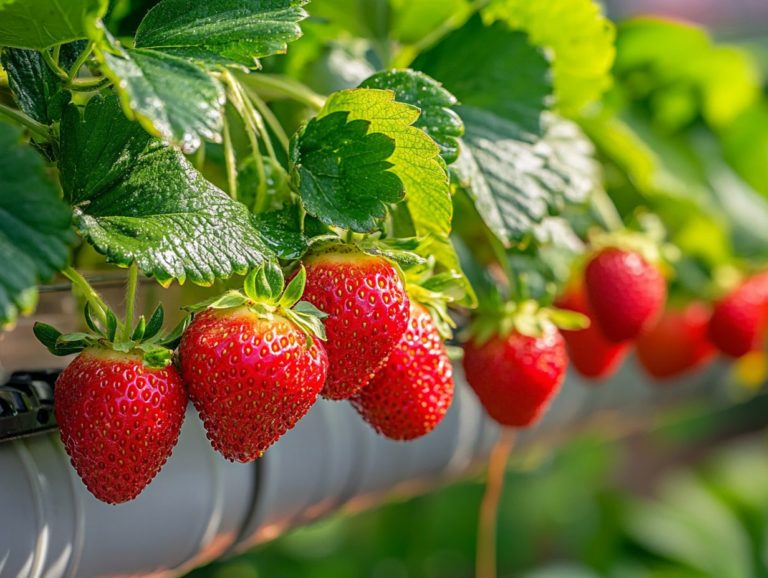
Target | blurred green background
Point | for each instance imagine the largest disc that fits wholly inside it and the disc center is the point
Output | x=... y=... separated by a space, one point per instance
x=687 y=500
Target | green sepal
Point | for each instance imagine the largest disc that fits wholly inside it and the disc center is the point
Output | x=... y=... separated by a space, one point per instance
x=569 y=320
x=123 y=346
x=454 y=352
x=60 y=344
x=225 y=301
x=155 y=356
x=155 y=323
x=294 y=290
x=140 y=329
x=171 y=341
x=309 y=318
x=398 y=251
x=111 y=325
x=89 y=320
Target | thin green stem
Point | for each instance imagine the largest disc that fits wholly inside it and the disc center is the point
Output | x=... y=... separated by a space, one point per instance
x=98 y=306
x=38 y=129
x=286 y=87
x=75 y=69
x=54 y=65
x=607 y=210
x=130 y=300
x=258 y=121
x=238 y=100
x=230 y=161
x=89 y=85
x=271 y=120
x=199 y=161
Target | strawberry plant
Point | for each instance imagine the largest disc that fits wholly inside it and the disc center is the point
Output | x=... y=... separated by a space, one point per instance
x=351 y=184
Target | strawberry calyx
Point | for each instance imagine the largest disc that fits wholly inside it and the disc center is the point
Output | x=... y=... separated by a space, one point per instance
x=266 y=294
x=435 y=293
x=527 y=317
x=154 y=348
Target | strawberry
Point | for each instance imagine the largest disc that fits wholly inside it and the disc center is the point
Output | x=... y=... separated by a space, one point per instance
x=590 y=352
x=739 y=321
x=515 y=375
x=626 y=293
x=119 y=420
x=251 y=366
x=367 y=310
x=411 y=394
x=120 y=403
x=677 y=343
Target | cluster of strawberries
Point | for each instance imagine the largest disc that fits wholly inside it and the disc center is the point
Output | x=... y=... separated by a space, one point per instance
x=622 y=294
x=253 y=363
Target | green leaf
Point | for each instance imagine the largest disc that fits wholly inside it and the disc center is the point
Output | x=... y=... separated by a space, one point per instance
x=222 y=32
x=281 y=231
x=415 y=159
x=36 y=88
x=578 y=35
x=690 y=525
x=342 y=173
x=35 y=225
x=435 y=102
x=173 y=99
x=492 y=67
x=40 y=24
x=138 y=200
x=515 y=178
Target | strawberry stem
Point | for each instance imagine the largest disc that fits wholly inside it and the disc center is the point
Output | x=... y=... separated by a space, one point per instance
x=230 y=161
x=130 y=300
x=40 y=131
x=94 y=299
x=485 y=563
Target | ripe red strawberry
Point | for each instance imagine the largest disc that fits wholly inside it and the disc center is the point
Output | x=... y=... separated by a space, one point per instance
x=739 y=321
x=516 y=376
x=411 y=394
x=251 y=364
x=367 y=310
x=626 y=293
x=119 y=420
x=590 y=352
x=677 y=343
x=252 y=377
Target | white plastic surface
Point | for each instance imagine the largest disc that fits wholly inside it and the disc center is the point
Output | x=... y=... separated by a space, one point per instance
x=201 y=506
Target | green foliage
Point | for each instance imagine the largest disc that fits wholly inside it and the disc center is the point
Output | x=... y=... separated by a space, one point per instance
x=35 y=232
x=342 y=171
x=580 y=38
x=683 y=74
x=36 y=88
x=172 y=98
x=40 y=24
x=138 y=200
x=510 y=77
x=223 y=32
x=515 y=178
x=437 y=117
